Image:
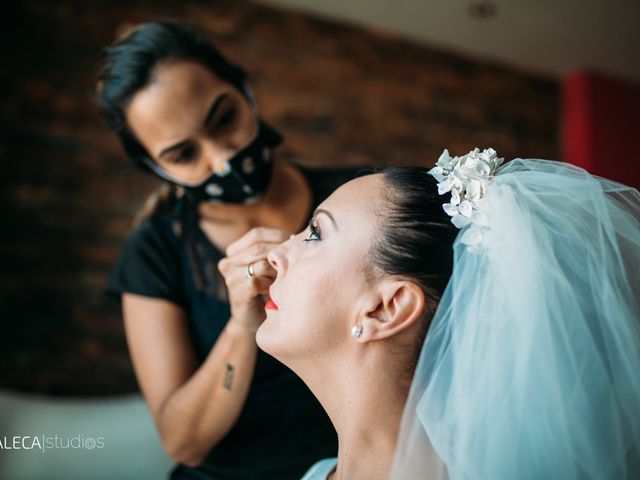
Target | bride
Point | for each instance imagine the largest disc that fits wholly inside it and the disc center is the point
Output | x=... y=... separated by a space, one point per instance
x=472 y=321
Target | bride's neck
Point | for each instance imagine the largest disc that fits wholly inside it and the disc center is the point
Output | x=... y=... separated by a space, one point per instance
x=365 y=406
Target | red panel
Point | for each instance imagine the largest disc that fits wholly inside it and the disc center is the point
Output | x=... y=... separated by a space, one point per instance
x=601 y=126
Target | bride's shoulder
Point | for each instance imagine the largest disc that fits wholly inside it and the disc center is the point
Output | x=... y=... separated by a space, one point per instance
x=320 y=470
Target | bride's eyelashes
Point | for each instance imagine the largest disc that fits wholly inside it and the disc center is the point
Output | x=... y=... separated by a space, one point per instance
x=314 y=233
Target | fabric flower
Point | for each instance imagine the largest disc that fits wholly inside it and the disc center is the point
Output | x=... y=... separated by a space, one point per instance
x=466 y=178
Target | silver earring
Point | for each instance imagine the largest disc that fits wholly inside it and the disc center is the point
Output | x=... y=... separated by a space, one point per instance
x=356 y=331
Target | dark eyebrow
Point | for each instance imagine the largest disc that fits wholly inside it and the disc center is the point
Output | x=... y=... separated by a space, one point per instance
x=328 y=214
x=215 y=105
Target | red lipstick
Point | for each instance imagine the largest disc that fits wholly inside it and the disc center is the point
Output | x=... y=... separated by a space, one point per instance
x=270 y=305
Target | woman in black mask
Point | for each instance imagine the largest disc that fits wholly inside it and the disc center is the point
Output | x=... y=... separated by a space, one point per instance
x=193 y=275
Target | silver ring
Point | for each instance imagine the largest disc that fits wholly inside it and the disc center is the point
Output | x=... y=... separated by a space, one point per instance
x=250 y=273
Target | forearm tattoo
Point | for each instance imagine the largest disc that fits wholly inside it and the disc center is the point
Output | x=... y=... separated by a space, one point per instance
x=228 y=376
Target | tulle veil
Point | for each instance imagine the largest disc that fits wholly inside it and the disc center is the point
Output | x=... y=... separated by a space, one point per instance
x=531 y=365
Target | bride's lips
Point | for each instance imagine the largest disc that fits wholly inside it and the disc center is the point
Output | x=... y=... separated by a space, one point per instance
x=270 y=305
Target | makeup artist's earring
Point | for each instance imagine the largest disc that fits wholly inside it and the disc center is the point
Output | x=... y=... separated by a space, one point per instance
x=356 y=331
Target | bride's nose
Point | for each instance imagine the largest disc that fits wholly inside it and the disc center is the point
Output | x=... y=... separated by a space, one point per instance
x=277 y=257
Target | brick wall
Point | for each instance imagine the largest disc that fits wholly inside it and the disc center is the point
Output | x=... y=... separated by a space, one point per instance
x=341 y=95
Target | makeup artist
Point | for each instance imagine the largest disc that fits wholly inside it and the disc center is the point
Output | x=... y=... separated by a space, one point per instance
x=192 y=276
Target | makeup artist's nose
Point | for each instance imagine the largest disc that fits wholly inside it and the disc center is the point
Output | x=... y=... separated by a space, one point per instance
x=217 y=155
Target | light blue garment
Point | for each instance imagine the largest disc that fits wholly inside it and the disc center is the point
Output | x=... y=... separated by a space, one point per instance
x=321 y=470
x=531 y=366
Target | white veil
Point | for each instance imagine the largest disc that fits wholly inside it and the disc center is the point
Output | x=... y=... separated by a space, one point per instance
x=531 y=366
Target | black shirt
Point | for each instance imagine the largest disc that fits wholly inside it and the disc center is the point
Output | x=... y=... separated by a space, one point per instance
x=282 y=429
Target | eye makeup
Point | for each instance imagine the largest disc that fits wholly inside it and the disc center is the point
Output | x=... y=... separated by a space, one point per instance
x=314 y=232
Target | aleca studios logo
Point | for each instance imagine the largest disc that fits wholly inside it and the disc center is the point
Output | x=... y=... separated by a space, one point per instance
x=46 y=442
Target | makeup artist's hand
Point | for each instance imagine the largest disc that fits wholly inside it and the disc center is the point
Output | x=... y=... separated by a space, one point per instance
x=248 y=274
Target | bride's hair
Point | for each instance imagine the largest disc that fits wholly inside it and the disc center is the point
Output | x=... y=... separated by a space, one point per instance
x=416 y=239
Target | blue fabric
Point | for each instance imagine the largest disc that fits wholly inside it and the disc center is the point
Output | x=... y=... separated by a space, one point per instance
x=530 y=368
x=321 y=469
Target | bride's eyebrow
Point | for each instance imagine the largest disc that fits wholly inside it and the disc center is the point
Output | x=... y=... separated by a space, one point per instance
x=328 y=214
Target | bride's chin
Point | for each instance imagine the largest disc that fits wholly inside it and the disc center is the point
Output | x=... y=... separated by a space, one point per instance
x=262 y=336
x=259 y=335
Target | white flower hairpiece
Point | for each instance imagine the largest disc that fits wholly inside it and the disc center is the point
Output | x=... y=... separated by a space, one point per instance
x=467 y=178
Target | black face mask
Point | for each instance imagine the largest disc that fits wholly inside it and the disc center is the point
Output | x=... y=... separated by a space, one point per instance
x=246 y=175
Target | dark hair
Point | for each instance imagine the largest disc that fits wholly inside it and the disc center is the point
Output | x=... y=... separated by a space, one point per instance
x=129 y=64
x=128 y=67
x=416 y=240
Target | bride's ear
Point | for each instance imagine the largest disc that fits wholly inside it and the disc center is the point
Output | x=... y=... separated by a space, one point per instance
x=395 y=306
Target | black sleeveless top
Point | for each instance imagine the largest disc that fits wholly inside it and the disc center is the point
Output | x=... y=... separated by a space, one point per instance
x=282 y=429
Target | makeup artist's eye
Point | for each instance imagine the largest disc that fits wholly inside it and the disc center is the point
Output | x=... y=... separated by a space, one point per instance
x=185 y=156
x=225 y=119
x=314 y=233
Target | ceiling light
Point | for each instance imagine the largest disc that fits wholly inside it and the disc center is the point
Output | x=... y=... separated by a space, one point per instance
x=482 y=9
